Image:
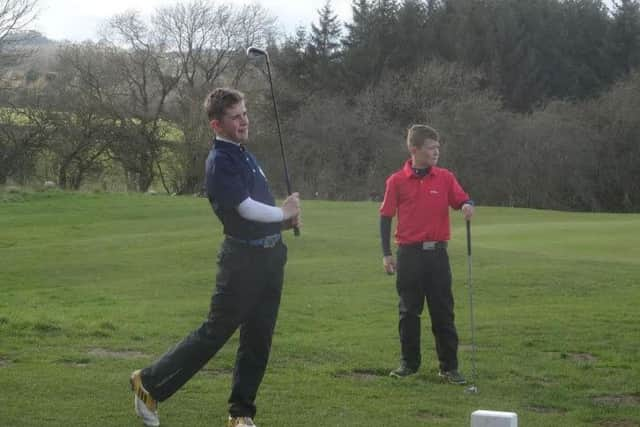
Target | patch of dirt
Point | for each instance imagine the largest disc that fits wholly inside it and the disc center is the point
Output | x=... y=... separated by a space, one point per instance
x=425 y=415
x=581 y=357
x=545 y=409
x=618 y=423
x=4 y=362
x=103 y=352
x=467 y=347
x=76 y=362
x=80 y=365
x=618 y=400
x=363 y=374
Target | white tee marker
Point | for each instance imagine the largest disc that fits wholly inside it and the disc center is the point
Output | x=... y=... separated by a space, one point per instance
x=482 y=418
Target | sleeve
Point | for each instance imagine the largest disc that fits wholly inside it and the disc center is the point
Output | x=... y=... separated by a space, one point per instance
x=385 y=235
x=390 y=201
x=226 y=186
x=259 y=212
x=457 y=196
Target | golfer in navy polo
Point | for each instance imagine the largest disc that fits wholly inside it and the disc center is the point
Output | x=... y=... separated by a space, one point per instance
x=250 y=272
x=421 y=194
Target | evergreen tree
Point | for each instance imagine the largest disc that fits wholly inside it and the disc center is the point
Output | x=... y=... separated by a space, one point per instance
x=626 y=35
x=356 y=45
x=371 y=41
x=413 y=40
x=323 y=49
x=291 y=59
x=357 y=31
x=324 y=44
x=584 y=67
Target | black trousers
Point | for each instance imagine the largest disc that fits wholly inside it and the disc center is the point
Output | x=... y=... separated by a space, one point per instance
x=247 y=295
x=426 y=274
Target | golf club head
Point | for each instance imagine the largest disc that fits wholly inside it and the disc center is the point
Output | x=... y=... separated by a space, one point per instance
x=256 y=51
x=472 y=389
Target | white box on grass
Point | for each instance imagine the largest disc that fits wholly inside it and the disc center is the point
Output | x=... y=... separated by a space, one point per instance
x=482 y=418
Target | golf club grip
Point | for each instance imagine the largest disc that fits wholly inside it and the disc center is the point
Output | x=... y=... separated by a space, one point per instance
x=468 y=237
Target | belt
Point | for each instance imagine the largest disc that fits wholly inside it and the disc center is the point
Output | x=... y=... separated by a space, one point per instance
x=427 y=246
x=263 y=242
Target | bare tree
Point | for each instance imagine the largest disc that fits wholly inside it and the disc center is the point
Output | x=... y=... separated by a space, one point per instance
x=23 y=135
x=15 y=17
x=84 y=128
x=210 y=41
x=149 y=74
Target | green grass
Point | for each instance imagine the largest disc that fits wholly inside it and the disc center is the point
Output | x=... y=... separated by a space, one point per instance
x=93 y=286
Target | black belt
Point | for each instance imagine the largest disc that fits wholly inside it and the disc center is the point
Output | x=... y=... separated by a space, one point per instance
x=263 y=242
x=426 y=246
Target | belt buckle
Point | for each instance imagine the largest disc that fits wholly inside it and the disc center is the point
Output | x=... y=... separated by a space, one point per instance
x=271 y=241
x=428 y=246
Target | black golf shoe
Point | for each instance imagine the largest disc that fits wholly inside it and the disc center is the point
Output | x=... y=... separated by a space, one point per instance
x=452 y=377
x=402 y=371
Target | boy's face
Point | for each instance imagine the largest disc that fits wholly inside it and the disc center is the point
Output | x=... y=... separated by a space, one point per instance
x=234 y=124
x=427 y=155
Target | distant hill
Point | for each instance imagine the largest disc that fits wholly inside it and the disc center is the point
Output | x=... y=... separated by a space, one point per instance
x=26 y=57
x=28 y=39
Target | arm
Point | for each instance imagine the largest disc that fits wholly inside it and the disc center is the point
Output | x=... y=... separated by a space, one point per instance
x=459 y=199
x=388 y=261
x=385 y=234
x=261 y=212
x=387 y=212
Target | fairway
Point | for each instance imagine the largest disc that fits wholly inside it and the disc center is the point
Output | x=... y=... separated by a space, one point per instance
x=93 y=286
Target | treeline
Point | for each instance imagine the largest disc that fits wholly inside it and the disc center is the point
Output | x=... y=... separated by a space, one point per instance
x=537 y=101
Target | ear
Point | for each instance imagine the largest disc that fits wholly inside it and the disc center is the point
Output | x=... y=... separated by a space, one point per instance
x=214 y=124
x=412 y=149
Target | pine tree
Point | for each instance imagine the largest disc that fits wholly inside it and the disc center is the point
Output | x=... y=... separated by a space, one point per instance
x=322 y=53
x=325 y=37
x=626 y=35
x=371 y=40
x=358 y=30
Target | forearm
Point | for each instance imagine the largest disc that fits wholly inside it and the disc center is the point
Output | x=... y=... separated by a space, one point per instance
x=259 y=212
x=385 y=234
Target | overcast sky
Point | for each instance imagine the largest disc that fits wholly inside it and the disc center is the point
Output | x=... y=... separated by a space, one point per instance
x=78 y=20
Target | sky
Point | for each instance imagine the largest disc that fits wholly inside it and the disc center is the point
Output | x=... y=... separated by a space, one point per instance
x=79 y=20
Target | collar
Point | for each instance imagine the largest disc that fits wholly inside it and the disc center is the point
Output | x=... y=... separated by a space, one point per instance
x=227 y=143
x=409 y=173
x=219 y=138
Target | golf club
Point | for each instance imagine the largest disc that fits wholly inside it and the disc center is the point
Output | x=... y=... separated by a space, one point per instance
x=472 y=388
x=253 y=52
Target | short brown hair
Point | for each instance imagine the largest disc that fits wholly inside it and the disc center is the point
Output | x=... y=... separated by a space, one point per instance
x=219 y=100
x=418 y=135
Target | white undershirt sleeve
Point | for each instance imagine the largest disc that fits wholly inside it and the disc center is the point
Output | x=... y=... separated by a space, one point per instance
x=259 y=212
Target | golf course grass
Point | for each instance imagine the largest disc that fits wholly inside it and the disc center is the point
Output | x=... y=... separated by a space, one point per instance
x=93 y=286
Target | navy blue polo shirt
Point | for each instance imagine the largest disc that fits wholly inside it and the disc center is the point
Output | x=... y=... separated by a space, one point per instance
x=232 y=175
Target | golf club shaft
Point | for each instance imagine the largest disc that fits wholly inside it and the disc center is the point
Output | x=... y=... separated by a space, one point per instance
x=296 y=230
x=470 y=280
x=254 y=51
